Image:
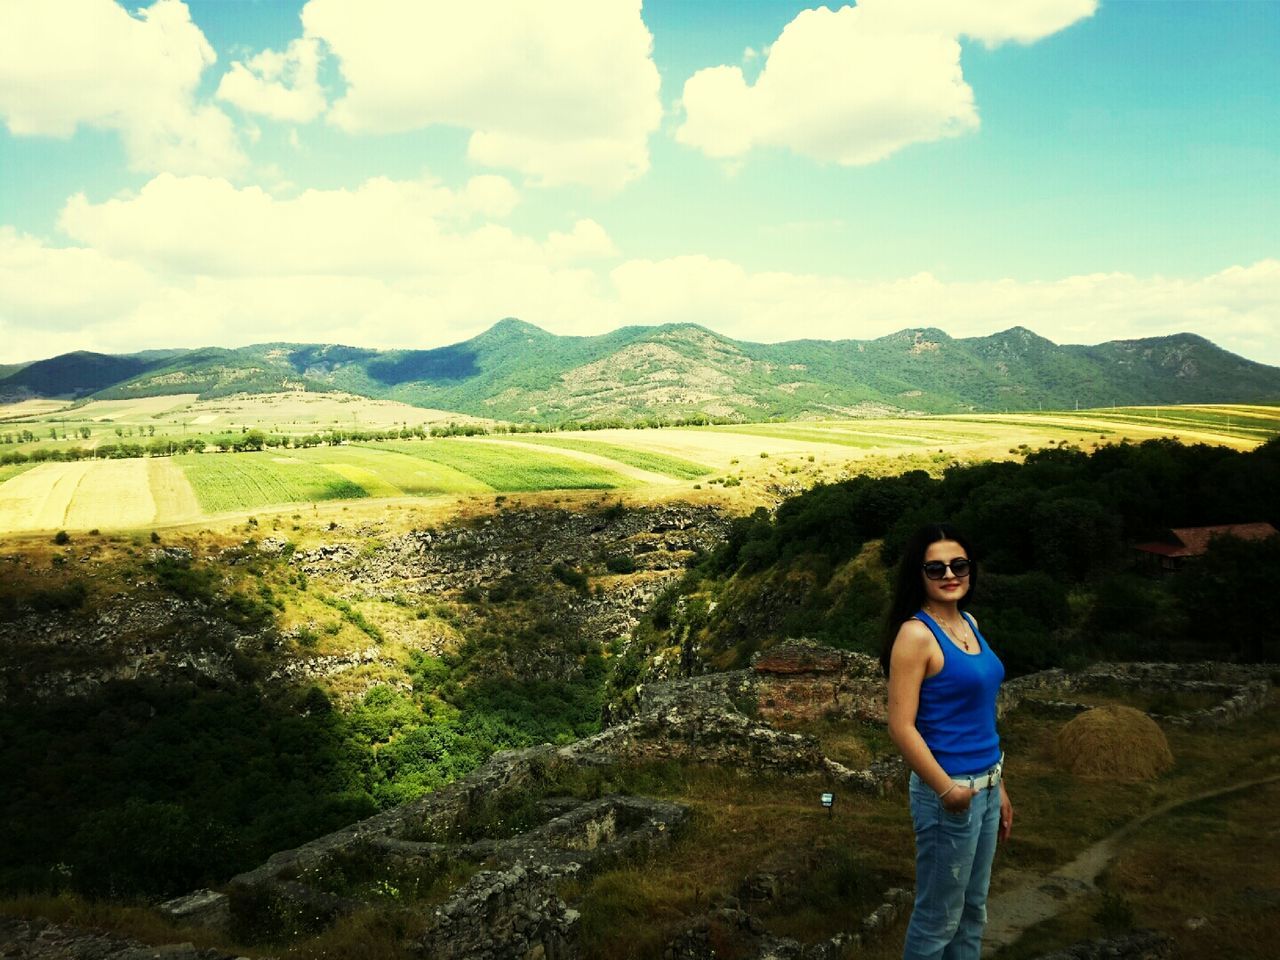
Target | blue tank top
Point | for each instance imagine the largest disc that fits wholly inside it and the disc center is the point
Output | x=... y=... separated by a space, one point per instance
x=957 y=711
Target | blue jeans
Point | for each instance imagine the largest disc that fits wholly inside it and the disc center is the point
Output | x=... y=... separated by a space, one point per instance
x=953 y=870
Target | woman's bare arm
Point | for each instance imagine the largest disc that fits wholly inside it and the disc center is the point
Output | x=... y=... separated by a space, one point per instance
x=908 y=666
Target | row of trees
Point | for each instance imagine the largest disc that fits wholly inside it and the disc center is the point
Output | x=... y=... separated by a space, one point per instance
x=245 y=441
x=253 y=439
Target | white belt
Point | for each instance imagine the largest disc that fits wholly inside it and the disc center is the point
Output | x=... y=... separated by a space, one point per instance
x=983 y=780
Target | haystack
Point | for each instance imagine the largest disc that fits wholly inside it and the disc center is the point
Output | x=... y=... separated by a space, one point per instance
x=1114 y=743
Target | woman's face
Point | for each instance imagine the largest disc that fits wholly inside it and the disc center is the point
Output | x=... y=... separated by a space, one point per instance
x=950 y=588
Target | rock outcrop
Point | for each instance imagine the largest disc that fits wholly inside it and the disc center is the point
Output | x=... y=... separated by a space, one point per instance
x=22 y=939
x=798 y=681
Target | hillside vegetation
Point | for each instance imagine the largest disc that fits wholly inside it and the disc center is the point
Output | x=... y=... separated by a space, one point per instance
x=517 y=372
x=133 y=784
x=1060 y=584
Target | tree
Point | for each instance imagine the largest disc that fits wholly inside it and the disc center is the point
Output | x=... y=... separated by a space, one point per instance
x=1228 y=596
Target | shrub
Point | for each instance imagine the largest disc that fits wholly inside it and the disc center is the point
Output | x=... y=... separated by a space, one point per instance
x=569 y=576
x=621 y=563
x=68 y=597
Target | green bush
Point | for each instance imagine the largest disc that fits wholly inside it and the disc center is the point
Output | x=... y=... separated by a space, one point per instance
x=621 y=563
x=569 y=576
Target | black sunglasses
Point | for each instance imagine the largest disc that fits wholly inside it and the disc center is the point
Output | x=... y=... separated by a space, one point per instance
x=936 y=569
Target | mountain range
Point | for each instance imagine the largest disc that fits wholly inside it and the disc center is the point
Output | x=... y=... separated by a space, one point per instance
x=519 y=372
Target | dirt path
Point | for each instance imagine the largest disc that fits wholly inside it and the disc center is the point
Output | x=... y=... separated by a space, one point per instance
x=1037 y=898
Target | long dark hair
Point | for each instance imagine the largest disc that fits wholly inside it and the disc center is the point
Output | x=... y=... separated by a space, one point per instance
x=908 y=582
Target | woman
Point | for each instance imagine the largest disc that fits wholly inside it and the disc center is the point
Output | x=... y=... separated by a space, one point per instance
x=943 y=680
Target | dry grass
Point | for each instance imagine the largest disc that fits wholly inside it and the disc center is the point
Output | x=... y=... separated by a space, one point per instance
x=740 y=826
x=1113 y=743
x=1218 y=853
x=1208 y=874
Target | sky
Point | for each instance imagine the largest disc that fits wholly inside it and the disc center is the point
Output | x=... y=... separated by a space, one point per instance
x=405 y=173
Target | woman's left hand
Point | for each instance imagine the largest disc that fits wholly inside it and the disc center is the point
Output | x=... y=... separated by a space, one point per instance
x=1006 y=815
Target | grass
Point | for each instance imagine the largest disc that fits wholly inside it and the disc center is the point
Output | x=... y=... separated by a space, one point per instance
x=510 y=469
x=11 y=470
x=1211 y=859
x=247 y=480
x=798 y=433
x=1198 y=860
x=741 y=825
x=1208 y=860
x=405 y=474
x=1255 y=422
x=631 y=456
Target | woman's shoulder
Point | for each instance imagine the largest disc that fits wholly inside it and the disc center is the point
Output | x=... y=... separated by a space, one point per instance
x=915 y=634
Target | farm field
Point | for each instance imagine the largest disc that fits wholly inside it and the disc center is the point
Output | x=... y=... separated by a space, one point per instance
x=24 y=409
x=511 y=468
x=181 y=416
x=245 y=481
x=396 y=474
x=760 y=461
x=645 y=460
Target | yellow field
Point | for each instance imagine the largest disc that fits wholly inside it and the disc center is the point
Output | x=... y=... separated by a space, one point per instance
x=111 y=493
x=307 y=412
x=39 y=498
x=175 y=501
x=748 y=464
x=140 y=409
x=30 y=408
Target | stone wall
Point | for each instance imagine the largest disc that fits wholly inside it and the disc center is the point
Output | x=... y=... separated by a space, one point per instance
x=800 y=680
x=1244 y=688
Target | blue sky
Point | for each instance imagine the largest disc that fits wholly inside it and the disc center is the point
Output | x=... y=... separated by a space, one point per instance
x=401 y=174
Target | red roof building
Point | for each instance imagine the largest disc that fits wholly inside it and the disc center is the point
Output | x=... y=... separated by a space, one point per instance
x=1187 y=542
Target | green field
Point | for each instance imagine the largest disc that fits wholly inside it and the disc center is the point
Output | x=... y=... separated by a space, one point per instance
x=631 y=456
x=246 y=480
x=404 y=475
x=10 y=470
x=510 y=469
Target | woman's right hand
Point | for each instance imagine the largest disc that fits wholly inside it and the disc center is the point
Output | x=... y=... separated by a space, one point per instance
x=958 y=800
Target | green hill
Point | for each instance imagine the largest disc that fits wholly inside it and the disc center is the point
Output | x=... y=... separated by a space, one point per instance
x=516 y=371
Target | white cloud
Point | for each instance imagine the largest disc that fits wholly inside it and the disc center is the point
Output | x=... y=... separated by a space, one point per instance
x=64 y=63
x=61 y=289
x=282 y=86
x=855 y=85
x=990 y=21
x=563 y=92
x=195 y=260
x=204 y=225
x=586 y=241
x=1236 y=308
